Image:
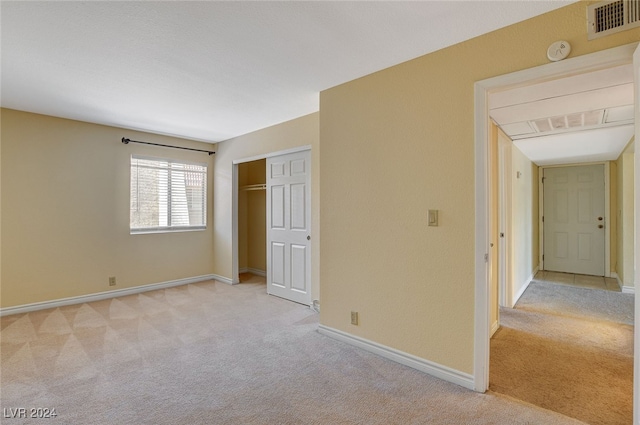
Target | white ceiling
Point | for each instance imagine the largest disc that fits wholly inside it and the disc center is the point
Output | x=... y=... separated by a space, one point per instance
x=214 y=70
x=582 y=118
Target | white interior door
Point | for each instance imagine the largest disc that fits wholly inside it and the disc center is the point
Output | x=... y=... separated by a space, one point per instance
x=289 y=226
x=574 y=219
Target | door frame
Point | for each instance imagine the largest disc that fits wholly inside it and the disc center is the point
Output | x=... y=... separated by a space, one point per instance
x=607 y=211
x=621 y=55
x=505 y=244
x=235 y=188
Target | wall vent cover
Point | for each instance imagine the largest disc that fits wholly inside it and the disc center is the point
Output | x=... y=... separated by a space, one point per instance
x=611 y=16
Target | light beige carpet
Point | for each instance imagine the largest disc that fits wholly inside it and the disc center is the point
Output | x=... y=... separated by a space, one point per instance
x=210 y=353
x=568 y=349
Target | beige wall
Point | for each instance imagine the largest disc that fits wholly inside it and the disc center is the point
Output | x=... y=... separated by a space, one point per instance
x=524 y=220
x=395 y=144
x=65 y=217
x=299 y=132
x=625 y=214
x=521 y=217
x=252 y=217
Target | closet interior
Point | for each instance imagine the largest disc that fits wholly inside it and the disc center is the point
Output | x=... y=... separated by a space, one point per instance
x=252 y=218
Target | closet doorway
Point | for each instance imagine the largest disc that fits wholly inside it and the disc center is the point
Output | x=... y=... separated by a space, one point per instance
x=273 y=188
x=252 y=218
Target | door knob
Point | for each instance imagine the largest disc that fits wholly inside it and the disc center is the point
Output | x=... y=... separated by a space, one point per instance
x=308 y=237
x=599 y=218
x=600 y=226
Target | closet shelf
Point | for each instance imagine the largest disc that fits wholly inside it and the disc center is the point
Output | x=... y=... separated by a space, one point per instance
x=254 y=187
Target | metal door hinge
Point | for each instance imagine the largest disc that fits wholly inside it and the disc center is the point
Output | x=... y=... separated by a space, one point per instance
x=486 y=258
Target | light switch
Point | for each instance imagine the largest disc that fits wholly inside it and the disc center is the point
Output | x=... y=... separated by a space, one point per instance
x=433 y=217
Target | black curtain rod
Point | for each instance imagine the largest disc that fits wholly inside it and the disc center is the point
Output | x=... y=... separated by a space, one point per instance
x=127 y=141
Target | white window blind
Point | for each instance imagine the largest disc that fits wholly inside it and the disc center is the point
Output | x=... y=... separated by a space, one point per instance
x=167 y=195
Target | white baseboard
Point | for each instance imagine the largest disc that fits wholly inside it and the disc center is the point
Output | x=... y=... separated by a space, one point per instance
x=223 y=279
x=439 y=371
x=26 y=308
x=256 y=272
x=524 y=287
x=494 y=328
x=628 y=289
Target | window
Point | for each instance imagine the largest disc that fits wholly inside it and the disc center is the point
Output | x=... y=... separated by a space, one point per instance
x=167 y=195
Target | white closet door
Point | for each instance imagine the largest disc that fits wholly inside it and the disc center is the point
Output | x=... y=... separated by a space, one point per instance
x=289 y=226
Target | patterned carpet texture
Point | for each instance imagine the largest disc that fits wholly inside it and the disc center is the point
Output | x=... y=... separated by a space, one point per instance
x=210 y=353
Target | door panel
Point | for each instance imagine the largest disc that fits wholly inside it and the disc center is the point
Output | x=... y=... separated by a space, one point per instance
x=277 y=207
x=289 y=230
x=277 y=264
x=573 y=213
x=298 y=209
x=298 y=269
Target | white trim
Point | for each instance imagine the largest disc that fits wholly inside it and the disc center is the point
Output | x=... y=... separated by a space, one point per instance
x=636 y=274
x=623 y=288
x=418 y=363
x=225 y=279
x=505 y=206
x=494 y=328
x=288 y=151
x=235 y=245
x=26 y=308
x=482 y=301
x=619 y=281
x=524 y=287
x=608 y=58
x=271 y=154
x=256 y=272
x=248 y=159
x=540 y=215
x=607 y=219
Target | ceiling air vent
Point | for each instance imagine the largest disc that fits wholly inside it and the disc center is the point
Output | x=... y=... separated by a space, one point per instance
x=612 y=16
x=567 y=122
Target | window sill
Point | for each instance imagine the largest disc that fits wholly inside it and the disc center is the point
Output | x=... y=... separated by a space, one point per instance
x=166 y=230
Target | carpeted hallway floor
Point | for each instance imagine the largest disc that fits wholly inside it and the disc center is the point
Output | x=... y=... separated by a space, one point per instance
x=210 y=353
x=568 y=349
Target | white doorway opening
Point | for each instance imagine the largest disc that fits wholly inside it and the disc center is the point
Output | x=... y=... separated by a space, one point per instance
x=588 y=63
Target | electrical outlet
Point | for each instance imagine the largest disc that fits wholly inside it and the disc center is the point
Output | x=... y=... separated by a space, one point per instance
x=112 y=281
x=354 y=317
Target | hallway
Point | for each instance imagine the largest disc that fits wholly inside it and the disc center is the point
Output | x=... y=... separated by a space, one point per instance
x=567 y=346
